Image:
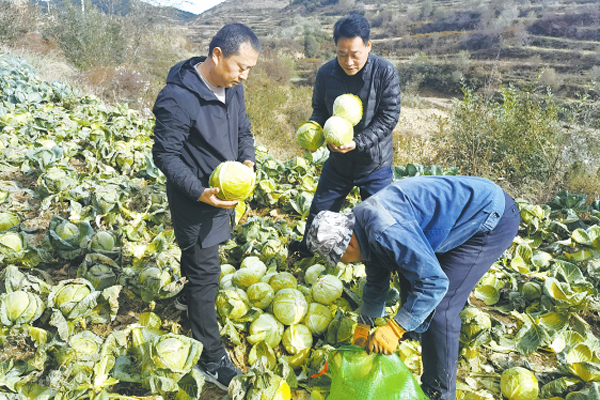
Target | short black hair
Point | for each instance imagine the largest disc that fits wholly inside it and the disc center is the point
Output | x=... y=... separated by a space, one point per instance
x=231 y=37
x=354 y=25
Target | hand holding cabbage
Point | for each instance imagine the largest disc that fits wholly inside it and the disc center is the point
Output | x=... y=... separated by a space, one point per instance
x=229 y=183
x=338 y=130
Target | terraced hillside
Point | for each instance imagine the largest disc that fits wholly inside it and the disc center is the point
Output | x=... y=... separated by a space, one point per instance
x=509 y=42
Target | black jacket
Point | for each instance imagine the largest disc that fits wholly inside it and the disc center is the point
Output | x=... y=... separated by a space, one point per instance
x=380 y=95
x=194 y=133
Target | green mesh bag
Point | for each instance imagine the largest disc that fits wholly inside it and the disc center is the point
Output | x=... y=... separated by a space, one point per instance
x=356 y=375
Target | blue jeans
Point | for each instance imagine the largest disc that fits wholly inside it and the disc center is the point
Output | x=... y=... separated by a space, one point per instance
x=333 y=188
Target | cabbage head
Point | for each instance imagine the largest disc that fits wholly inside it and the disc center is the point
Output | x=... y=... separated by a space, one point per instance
x=474 y=321
x=349 y=107
x=227 y=269
x=20 y=307
x=226 y=282
x=266 y=328
x=232 y=303
x=176 y=353
x=289 y=306
x=519 y=384
x=157 y=283
x=327 y=289
x=338 y=131
x=68 y=294
x=310 y=135
x=254 y=262
x=68 y=239
x=100 y=270
x=83 y=348
x=12 y=247
x=261 y=295
x=313 y=272
x=246 y=277
x=317 y=318
x=8 y=220
x=532 y=291
x=296 y=338
x=234 y=180
x=102 y=240
x=282 y=280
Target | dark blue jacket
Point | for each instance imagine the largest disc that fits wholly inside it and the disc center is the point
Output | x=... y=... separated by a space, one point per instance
x=404 y=225
x=194 y=133
x=380 y=95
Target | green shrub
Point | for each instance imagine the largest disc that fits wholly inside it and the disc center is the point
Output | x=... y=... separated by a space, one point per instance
x=87 y=37
x=516 y=139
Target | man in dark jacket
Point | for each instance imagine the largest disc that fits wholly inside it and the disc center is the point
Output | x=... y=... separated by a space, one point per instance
x=441 y=234
x=201 y=121
x=366 y=161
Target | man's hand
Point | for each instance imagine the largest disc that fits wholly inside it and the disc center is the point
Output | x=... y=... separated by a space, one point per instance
x=342 y=149
x=209 y=196
x=249 y=164
x=361 y=333
x=385 y=338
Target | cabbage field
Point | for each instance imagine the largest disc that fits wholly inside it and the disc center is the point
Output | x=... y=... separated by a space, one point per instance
x=90 y=270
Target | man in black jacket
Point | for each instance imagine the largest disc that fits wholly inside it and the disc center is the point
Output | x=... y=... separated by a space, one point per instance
x=366 y=161
x=201 y=121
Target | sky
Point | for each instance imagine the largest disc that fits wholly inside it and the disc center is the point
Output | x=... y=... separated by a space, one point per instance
x=193 y=6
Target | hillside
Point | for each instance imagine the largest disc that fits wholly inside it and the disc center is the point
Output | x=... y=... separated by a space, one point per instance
x=509 y=42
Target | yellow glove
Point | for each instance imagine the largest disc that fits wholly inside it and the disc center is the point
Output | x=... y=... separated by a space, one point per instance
x=361 y=333
x=385 y=338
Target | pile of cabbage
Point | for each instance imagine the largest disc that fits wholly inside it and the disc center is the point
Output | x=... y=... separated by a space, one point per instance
x=107 y=242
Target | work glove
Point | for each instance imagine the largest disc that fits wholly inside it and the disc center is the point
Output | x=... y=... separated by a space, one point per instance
x=361 y=333
x=385 y=338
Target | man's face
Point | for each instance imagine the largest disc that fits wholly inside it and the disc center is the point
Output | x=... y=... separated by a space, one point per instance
x=353 y=252
x=352 y=54
x=229 y=71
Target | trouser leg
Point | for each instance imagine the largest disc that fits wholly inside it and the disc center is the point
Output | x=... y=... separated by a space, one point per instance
x=202 y=268
x=331 y=193
x=374 y=182
x=463 y=266
x=333 y=188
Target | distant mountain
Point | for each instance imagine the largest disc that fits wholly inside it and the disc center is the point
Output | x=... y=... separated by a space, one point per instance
x=118 y=7
x=512 y=41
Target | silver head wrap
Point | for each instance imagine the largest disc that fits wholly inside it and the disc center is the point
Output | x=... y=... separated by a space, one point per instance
x=329 y=235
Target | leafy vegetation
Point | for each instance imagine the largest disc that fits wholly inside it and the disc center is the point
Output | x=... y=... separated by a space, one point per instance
x=70 y=286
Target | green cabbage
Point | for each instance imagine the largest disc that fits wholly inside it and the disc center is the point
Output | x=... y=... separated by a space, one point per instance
x=227 y=269
x=338 y=131
x=313 y=272
x=349 y=107
x=266 y=328
x=310 y=135
x=519 y=384
x=8 y=220
x=254 y=262
x=283 y=280
x=317 y=318
x=327 y=289
x=474 y=321
x=289 y=306
x=531 y=291
x=261 y=295
x=246 y=277
x=296 y=338
x=232 y=303
x=18 y=308
x=234 y=180
x=102 y=240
